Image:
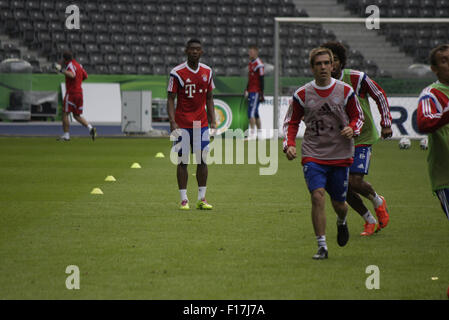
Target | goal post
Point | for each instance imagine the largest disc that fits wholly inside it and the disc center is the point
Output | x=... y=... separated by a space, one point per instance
x=292 y=20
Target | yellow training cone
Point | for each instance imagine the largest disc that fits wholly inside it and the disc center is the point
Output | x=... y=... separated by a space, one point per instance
x=110 y=178
x=135 y=165
x=96 y=191
x=160 y=155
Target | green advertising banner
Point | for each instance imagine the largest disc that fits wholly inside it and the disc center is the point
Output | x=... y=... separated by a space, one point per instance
x=230 y=112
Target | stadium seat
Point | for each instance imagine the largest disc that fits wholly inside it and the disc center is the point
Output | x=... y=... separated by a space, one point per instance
x=144 y=69
x=110 y=58
x=101 y=69
x=115 y=69
x=130 y=69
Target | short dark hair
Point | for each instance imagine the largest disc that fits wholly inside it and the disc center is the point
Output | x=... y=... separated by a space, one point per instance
x=192 y=41
x=338 y=50
x=253 y=46
x=433 y=53
x=67 y=55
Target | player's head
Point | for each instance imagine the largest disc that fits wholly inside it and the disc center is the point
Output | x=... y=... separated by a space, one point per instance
x=439 y=62
x=340 y=57
x=193 y=50
x=253 y=52
x=67 y=56
x=321 y=63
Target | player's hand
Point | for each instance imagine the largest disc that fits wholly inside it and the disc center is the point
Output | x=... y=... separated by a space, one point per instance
x=213 y=128
x=261 y=98
x=386 y=133
x=291 y=153
x=245 y=94
x=347 y=132
x=173 y=126
x=57 y=67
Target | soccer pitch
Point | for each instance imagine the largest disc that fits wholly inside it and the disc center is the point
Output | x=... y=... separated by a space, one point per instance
x=132 y=242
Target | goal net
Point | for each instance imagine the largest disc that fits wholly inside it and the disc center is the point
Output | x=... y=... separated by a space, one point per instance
x=295 y=37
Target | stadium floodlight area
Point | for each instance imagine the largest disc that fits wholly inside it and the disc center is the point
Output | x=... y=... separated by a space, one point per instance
x=365 y=21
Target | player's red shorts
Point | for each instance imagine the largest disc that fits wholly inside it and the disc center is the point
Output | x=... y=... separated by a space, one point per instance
x=73 y=103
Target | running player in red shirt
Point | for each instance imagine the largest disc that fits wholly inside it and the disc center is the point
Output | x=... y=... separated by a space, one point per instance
x=333 y=116
x=191 y=83
x=254 y=90
x=364 y=87
x=73 y=100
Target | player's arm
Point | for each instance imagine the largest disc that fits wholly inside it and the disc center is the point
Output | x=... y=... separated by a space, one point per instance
x=68 y=73
x=429 y=119
x=210 y=110
x=355 y=114
x=379 y=96
x=171 y=96
x=262 y=83
x=291 y=126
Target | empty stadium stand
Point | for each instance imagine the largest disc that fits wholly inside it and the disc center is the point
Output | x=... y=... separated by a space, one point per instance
x=416 y=40
x=148 y=36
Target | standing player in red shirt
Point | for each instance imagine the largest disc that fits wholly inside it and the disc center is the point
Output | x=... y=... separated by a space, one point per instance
x=192 y=84
x=73 y=100
x=254 y=90
x=333 y=116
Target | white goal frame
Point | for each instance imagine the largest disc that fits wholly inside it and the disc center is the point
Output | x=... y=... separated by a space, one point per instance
x=279 y=20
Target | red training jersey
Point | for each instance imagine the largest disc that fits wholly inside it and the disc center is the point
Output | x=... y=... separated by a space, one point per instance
x=296 y=113
x=433 y=110
x=364 y=86
x=73 y=86
x=191 y=88
x=255 y=70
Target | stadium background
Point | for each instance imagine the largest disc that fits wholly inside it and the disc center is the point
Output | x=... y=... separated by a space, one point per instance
x=131 y=242
x=136 y=43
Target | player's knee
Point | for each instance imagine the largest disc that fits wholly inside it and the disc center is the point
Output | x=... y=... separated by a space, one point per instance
x=355 y=181
x=317 y=197
x=339 y=206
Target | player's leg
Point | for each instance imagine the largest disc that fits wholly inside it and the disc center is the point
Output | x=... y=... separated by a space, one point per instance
x=65 y=127
x=337 y=187
x=443 y=195
x=356 y=202
x=182 y=174
x=253 y=98
x=76 y=103
x=201 y=148
x=315 y=176
x=359 y=169
x=65 y=121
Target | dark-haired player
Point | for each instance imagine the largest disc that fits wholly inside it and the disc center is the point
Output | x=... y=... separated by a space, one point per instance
x=192 y=84
x=73 y=99
x=364 y=86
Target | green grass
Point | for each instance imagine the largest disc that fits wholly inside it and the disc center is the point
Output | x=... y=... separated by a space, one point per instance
x=257 y=243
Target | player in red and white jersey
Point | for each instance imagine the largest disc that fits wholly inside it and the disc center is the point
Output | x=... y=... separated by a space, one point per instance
x=296 y=113
x=364 y=87
x=191 y=83
x=333 y=116
x=254 y=89
x=433 y=119
x=73 y=99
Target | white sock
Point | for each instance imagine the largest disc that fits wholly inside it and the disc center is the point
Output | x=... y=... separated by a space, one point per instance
x=369 y=217
x=183 y=193
x=377 y=201
x=341 y=221
x=89 y=126
x=66 y=135
x=201 y=193
x=321 y=241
